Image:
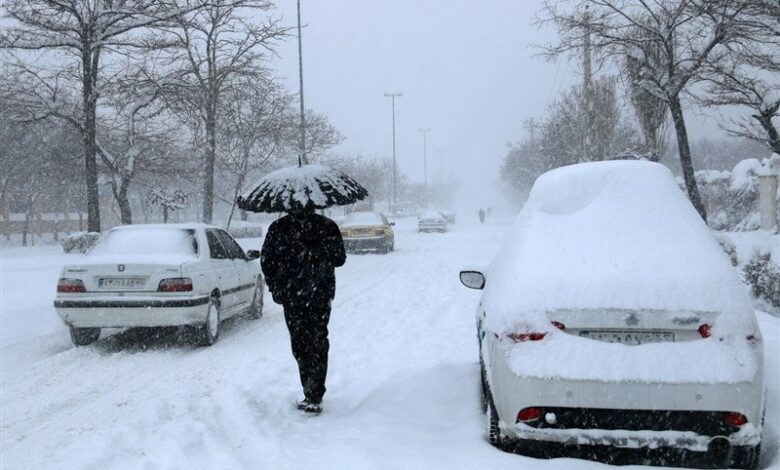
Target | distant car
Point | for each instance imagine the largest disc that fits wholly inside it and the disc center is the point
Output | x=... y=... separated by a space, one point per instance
x=159 y=275
x=612 y=318
x=367 y=231
x=431 y=221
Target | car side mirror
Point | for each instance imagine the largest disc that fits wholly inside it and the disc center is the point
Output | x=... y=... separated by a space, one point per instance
x=253 y=254
x=392 y=223
x=472 y=279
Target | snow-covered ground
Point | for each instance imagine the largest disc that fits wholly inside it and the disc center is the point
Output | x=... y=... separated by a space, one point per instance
x=402 y=383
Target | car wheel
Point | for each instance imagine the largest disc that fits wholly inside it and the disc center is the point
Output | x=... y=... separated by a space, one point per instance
x=745 y=457
x=256 y=308
x=209 y=332
x=84 y=336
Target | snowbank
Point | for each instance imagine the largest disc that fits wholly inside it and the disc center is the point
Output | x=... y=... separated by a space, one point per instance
x=611 y=235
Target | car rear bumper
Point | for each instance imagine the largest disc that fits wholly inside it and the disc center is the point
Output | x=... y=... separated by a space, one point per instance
x=364 y=243
x=431 y=227
x=626 y=414
x=121 y=312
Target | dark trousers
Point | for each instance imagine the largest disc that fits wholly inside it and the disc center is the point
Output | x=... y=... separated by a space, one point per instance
x=308 y=326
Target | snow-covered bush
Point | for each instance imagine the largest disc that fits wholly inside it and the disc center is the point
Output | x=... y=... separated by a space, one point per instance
x=731 y=197
x=79 y=242
x=763 y=274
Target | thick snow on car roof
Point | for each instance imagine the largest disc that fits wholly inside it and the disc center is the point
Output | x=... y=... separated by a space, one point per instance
x=617 y=234
x=362 y=218
x=149 y=243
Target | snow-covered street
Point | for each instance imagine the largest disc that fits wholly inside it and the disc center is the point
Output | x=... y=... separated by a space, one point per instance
x=402 y=384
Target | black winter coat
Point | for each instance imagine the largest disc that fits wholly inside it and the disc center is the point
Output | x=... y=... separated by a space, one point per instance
x=298 y=259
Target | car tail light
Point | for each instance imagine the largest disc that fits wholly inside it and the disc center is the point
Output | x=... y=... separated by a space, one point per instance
x=733 y=418
x=70 y=286
x=559 y=325
x=175 y=284
x=753 y=338
x=704 y=330
x=529 y=414
x=520 y=337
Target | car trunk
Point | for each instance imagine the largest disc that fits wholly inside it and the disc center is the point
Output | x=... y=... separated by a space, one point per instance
x=634 y=326
x=117 y=274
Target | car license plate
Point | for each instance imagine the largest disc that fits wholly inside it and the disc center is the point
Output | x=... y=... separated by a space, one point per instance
x=121 y=283
x=629 y=337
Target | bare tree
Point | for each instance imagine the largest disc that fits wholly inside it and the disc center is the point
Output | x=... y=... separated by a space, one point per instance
x=86 y=30
x=567 y=138
x=252 y=131
x=213 y=50
x=687 y=32
x=747 y=75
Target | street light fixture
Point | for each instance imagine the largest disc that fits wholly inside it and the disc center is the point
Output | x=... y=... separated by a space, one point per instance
x=392 y=97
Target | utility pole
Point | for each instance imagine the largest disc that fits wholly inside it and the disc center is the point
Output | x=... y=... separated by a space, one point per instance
x=302 y=160
x=392 y=97
x=425 y=160
x=587 y=79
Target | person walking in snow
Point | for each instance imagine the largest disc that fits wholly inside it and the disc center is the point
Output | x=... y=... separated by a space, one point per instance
x=299 y=257
x=481 y=215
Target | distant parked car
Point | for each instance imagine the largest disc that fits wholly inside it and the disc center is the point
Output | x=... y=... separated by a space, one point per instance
x=612 y=318
x=159 y=275
x=431 y=221
x=367 y=231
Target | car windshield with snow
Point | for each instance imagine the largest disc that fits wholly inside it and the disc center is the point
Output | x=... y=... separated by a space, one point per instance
x=612 y=317
x=191 y=275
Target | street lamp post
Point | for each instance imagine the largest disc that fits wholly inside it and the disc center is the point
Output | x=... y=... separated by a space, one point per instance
x=392 y=97
x=425 y=160
x=302 y=160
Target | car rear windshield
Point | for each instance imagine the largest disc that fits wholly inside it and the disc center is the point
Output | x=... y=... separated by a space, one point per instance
x=363 y=218
x=147 y=241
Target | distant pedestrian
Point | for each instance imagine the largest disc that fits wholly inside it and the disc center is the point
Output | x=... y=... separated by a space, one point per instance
x=481 y=215
x=298 y=259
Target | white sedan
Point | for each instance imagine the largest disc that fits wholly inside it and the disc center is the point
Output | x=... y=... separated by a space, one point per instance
x=159 y=275
x=613 y=319
x=431 y=221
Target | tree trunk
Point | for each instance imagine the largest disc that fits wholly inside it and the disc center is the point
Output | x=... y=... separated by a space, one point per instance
x=89 y=73
x=684 y=149
x=165 y=214
x=125 y=212
x=208 y=171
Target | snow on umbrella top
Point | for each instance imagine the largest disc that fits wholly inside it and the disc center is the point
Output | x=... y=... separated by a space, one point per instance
x=298 y=186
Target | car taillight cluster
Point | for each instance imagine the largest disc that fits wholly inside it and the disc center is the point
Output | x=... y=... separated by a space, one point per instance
x=704 y=330
x=70 y=286
x=529 y=414
x=175 y=284
x=533 y=336
x=733 y=418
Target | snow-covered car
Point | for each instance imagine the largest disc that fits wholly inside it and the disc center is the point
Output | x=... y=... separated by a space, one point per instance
x=612 y=317
x=366 y=230
x=159 y=275
x=449 y=216
x=431 y=221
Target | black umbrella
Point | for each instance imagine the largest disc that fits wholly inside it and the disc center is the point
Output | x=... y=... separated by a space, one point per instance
x=299 y=186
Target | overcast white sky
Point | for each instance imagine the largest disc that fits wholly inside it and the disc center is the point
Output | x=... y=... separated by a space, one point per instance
x=465 y=67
